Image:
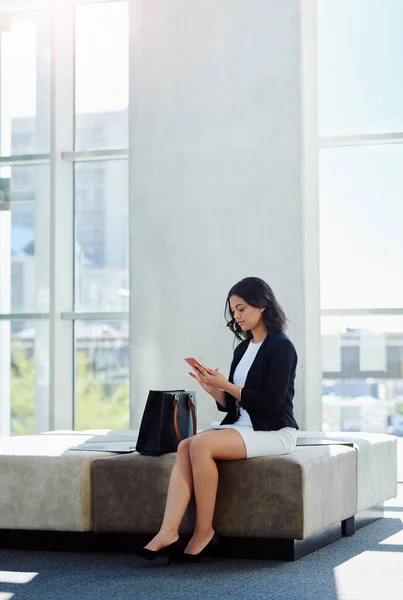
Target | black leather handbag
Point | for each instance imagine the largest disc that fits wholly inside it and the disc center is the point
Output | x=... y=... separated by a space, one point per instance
x=169 y=417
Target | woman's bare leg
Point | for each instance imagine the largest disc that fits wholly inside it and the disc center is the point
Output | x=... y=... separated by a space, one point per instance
x=180 y=490
x=222 y=444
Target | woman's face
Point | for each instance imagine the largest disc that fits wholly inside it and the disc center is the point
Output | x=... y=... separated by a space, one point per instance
x=248 y=317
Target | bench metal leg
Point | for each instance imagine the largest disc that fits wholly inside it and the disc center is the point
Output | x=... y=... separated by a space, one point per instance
x=348 y=526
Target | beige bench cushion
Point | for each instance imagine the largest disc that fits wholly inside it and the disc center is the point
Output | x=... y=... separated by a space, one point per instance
x=376 y=464
x=280 y=497
x=44 y=485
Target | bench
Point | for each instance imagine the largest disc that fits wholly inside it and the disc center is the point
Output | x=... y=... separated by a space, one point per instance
x=267 y=507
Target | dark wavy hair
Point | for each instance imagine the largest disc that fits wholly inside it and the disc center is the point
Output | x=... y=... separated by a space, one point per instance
x=259 y=294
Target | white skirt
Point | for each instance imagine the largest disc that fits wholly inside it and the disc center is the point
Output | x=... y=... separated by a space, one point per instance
x=265 y=443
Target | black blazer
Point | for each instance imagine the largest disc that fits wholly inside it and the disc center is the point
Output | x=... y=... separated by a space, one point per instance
x=269 y=387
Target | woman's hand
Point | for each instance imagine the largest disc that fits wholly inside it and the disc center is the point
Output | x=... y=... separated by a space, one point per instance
x=210 y=380
x=208 y=388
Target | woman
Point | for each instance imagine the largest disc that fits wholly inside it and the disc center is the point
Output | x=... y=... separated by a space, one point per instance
x=257 y=398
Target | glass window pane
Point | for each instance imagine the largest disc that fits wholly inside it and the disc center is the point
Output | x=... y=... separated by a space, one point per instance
x=101 y=374
x=101 y=236
x=364 y=391
x=102 y=75
x=25 y=83
x=360 y=71
x=361 y=213
x=24 y=239
x=24 y=375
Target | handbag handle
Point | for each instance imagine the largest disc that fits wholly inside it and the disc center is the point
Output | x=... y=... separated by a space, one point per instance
x=192 y=407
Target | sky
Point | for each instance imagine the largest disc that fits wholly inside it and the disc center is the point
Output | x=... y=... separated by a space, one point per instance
x=102 y=52
x=360 y=67
x=360 y=91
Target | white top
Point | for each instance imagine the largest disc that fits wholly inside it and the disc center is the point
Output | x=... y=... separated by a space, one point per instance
x=240 y=375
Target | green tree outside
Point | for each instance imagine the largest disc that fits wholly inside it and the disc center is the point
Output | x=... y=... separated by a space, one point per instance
x=22 y=392
x=98 y=403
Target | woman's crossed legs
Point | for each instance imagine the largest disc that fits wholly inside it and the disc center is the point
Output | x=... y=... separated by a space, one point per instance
x=195 y=471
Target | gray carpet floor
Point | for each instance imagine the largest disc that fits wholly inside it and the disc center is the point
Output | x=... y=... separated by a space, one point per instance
x=366 y=566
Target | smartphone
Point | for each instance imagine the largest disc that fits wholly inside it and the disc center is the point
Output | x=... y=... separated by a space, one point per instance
x=192 y=362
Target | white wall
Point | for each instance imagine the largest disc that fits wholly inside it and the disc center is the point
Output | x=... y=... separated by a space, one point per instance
x=223 y=179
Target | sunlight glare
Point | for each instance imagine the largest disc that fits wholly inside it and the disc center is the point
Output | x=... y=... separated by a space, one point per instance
x=16 y=577
x=395 y=539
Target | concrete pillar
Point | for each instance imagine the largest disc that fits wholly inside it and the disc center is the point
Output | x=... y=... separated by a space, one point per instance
x=223 y=185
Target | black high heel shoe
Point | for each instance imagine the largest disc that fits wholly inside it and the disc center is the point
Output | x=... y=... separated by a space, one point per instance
x=184 y=558
x=146 y=554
